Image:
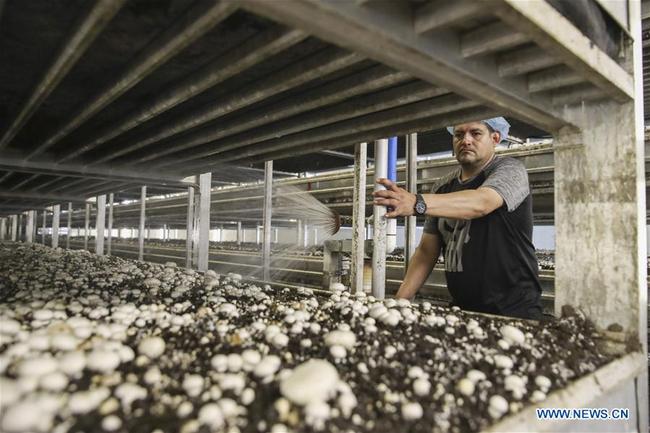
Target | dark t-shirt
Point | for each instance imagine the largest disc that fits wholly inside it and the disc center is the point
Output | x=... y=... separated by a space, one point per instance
x=490 y=262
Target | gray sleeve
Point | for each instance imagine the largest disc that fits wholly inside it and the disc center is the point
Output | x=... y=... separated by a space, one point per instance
x=509 y=178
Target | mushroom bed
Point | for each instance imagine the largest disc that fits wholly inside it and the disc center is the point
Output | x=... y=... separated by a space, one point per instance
x=93 y=343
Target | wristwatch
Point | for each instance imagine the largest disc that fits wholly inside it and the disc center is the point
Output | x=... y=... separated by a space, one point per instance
x=420 y=206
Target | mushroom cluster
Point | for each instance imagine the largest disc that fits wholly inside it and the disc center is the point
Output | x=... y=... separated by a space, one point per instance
x=103 y=344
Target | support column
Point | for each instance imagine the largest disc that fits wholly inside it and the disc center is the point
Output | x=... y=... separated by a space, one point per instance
x=640 y=293
x=14 y=228
x=205 y=185
x=190 y=227
x=44 y=227
x=87 y=226
x=305 y=236
x=3 y=228
x=239 y=233
x=109 y=238
x=268 y=196
x=600 y=218
x=299 y=240
x=100 y=224
x=20 y=227
x=56 y=216
x=275 y=235
x=29 y=231
x=258 y=235
x=410 y=222
x=143 y=199
x=358 y=216
x=379 y=225
x=67 y=238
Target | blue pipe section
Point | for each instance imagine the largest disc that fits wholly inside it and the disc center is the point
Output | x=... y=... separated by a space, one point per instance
x=392 y=159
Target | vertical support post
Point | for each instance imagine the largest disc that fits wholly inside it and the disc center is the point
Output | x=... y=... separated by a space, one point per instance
x=305 y=236
x=56 y=217
x=190 y=227
x=87 y=226
x=3 y=228
x=315 y=231
x=258 y=235
x=14 y=228
x=205 y=185
x=67 y=238
x=100 y=224
x=44 y=227
x=143 y=199
x=109 y=237
x=268 y=196
x=20 y=227
x=275 y=235
x=195 y=232
x=410 y=222
x=358 y=216
x=29 y=231
x=391 y=174
x=239 y=233
x=299 y=240
x=379 y=225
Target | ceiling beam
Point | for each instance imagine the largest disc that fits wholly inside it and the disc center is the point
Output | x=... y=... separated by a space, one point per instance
x=87 y=30
x=189 y=28
x=104 y=172
x=549 y=29
x=31 y=195
x=388 y=36
x=253 y=51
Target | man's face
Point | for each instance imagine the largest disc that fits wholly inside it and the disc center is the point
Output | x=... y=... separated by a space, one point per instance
x=474 y=143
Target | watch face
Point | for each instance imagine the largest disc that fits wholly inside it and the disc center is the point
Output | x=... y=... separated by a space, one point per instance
x=420 y=208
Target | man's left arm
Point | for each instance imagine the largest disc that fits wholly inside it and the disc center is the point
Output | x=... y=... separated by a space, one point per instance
x=507 y=184
x=467 y=205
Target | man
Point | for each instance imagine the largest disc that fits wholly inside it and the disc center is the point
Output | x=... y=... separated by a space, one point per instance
x=480 y=217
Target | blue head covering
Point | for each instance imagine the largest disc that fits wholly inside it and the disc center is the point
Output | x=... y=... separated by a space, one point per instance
x=499 y=124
